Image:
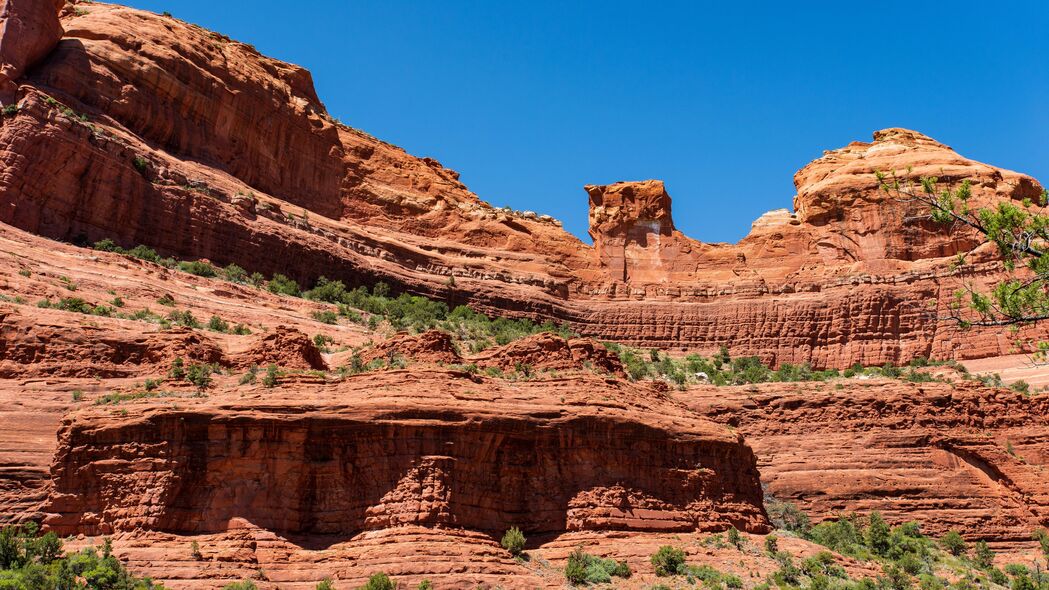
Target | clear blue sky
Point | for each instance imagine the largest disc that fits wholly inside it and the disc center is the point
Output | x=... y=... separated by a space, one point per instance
x=723 y=101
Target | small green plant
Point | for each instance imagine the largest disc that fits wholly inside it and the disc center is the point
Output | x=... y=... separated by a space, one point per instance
x=272 y=377
x=953 y=543
x=771 y=544
x=513 y=541
x=575 y=568
x=10 y=110
x=325 y=584
x=184 y=318
x=734 y=538
x=235 y=274
x=242 y=585
x=78 y=395
x=167 y=300
x=200 y=376
x=251 y=376
x=379 y=581
x=326 y=317
x=25 y=272
x=282 y=285
x=983 y=557
x=141 y=164
x=178 y=369
x=321 y=341
x=201 y=268
x=194 y=551
x=217 y=324
x=426 y=584
x=668 y=561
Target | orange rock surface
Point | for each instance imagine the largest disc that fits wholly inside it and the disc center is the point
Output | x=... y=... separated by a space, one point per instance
x=951 y=456
x=147 y=130
x=170 y=144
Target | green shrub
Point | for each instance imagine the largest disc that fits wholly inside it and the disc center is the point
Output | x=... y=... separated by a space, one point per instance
x=513 y=541
x=141 y=164
x=983 y=557
x=771 y=544
x=379 y=581
x=178 y=369
x=282 y=285
x=328 y=291
x=235 y=273
x=251 y=376
x=877 y=534
x=426 y=584
x=200 y=376
x=184 y=318
x=326 y=317
x=29 y=561
x=243 y=585
x=734 y=538
x=217 y=324
x=272 y=376
x=325 y=584
x=200 y=268
x=575 y=568
x=953 y=543
x=668 y=561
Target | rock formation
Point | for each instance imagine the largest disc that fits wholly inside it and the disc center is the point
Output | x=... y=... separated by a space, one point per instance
x=144 y=129
x=169 y=145
x=29 y=30
x=959 y=456
x=420 y=448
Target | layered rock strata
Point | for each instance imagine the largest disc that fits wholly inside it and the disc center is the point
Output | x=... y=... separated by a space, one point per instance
x=145 y=129
x=425 y=447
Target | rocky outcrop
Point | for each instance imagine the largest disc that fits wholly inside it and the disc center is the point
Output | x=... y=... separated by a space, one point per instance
x=391 y=449
x=951 y=456
x=29 y=30
x=839 y=194
x=284 y=347
x=549 y=352
x=432 y=346
x=59 y=344
x=145 y=129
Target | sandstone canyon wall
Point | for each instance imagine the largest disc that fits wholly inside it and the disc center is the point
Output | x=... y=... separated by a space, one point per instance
x=145 y=129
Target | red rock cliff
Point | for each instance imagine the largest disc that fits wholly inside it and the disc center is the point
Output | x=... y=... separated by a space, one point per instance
x=145 y=129
x=423 y=448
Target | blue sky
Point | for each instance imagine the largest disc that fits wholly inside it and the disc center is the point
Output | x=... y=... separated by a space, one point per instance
x=723 y=101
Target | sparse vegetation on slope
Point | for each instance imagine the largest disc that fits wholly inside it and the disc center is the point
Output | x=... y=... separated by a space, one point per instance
x=29 y=561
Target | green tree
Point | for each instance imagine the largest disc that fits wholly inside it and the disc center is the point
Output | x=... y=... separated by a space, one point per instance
x=953 y=543
x=983 y=557
x=1019 y=230
x=877 y=534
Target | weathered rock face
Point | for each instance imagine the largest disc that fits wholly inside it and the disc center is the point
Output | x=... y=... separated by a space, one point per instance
x=284 y=347
x=57 y=345
x=961 y=456
x=839 y=193
x=29 y=30
x=145 y=129
x=627 y=221
x=432 y=346
x=421 y=448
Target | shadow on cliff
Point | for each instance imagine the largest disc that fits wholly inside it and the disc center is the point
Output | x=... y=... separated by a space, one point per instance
x=320 y=481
